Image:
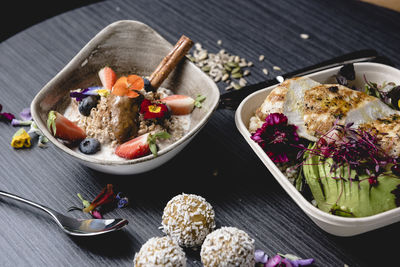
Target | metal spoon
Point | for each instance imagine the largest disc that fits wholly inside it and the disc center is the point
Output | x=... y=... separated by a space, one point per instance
x=76 y=227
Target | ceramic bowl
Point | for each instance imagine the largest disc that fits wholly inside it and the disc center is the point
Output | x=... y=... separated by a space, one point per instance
x=336 y=225
x=129 y=47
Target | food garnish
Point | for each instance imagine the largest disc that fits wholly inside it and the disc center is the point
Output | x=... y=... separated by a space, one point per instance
x=21 y=139
x=128 y=86
x=280 y=260
x=277 y=138
x=5 y=116
x=105 y=201
x=153 y=109
x=140 y=146
x=198 y=102
x=107 y=77
x=80 y=94
x=89 y=146
x=85 y=106
x=179 y=104
x=63 y=128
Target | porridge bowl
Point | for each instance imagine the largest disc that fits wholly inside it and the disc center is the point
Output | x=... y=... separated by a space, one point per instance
x=129 y=47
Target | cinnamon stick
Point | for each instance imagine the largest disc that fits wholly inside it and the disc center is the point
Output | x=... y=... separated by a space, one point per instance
x=170 y=61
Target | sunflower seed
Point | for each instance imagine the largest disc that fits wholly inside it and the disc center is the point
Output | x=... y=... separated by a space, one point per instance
x=242 y=82
x=304 y=36
x=249 y=64
x=235 y=86
x=219 y=42
x=276 y=68
x=265 y=71
x=225 y=77
x=261 y=58
x=246 y=72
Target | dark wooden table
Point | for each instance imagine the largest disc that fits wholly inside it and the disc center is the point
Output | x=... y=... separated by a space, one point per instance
x=218 y=164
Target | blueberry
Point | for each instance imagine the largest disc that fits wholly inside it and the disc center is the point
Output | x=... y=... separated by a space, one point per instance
x=147 y=85
x=86 y=105
x=89 y=146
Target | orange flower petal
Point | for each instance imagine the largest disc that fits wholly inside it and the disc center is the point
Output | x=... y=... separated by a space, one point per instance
x=131 y=94
x=120 y=87
x=135 y=82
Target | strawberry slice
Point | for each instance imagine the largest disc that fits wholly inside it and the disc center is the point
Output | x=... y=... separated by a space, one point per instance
x=63 y=128
x=107 y=77
x=140 y=146
x=135 y=148
x=179 y=104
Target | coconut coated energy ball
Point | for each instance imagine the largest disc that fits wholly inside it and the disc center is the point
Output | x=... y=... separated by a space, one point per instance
x=160 y=251
x=188 y=219
x=228 y=246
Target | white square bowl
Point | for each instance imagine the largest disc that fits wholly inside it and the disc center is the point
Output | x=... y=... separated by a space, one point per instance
x=129 y=47
x=336 y=225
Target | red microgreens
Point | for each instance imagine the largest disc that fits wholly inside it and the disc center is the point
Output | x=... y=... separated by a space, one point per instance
x=353 y=147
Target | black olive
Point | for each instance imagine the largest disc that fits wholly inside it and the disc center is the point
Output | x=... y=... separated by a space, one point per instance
x=394 y=96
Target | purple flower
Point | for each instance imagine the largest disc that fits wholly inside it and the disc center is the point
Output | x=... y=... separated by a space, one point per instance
x=26 y=114
x=273 y=262
x=260 y=256
x=277 y=138
x=4 y=116
x=122 y=201
x=79 y=95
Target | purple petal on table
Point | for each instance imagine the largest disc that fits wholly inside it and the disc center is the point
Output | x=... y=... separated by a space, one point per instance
x=7 y=117
x=26 y=114
x=260 y=256
x=286 y=263
x=273 y=262
x=302 y=262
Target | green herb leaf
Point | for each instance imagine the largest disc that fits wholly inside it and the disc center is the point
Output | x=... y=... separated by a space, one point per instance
x=198 y=101
x=153 y=138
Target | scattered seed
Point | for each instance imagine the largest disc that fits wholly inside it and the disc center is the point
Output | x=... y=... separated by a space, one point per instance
x=276 y=68
x=236 y=75
x=265 y=71
x=225 y=77
x=219 y=42
x=237 y=59
x=235 y=86
x=246 y=72
x=304 y=36
x=236 y=70
x=229 y=87
x=242 y=82
x=249 y=64
x=206 y=68
x=261 y=58
x=232 y=64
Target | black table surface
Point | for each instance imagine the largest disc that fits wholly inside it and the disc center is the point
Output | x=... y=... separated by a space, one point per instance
x=217 y=164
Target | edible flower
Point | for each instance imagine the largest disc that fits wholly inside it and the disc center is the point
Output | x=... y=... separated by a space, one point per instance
x=121 y=201
x=153 y=110
x=128 y=86
x=280 y=260
x=26 y=118
x=277 y=138
x=106 y=196
x=21 y=139
x=96 y=90
x=5 y=116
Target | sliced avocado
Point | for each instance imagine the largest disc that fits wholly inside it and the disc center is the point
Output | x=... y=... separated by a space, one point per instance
x=349 y=197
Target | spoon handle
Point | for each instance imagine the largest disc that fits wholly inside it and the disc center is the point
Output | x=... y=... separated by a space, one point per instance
x=26 y=201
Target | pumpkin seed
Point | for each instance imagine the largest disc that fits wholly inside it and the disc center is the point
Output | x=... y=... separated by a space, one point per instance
x=236 y=75
x=206 y=68
x=236 y=70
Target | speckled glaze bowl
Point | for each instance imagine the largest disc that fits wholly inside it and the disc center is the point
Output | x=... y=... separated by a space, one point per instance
x=129 y=47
